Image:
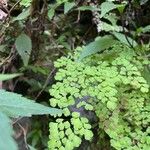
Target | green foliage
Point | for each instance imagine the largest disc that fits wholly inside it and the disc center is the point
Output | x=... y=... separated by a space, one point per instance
x=23 y=45
x=14 y=105
x=117 y=91
x=4 y=77
x=68 y=6
x=22 y=16
x=68 y=133
x=25 y=3
x=6 y=140
x=99 y=44
x=108 y=6
x=51 y=13
x=108 y=20
x=125 y=39
x=116 y=81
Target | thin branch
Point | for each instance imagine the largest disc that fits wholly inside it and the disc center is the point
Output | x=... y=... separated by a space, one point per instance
x=24 y=135
x=14 y=122
x=46 y=83
x=123 y=27
x=14 y=6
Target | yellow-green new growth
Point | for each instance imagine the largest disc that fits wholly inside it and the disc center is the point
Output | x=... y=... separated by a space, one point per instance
x=114 y=88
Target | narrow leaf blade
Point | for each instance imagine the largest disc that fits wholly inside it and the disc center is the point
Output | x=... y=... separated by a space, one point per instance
x=4 y=77
x=125 y=39
x=96 y=46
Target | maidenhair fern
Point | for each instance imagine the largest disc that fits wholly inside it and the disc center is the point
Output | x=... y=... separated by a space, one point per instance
x=112 y=85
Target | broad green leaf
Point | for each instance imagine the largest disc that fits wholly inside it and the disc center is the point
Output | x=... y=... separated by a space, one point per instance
x=23 y=15
x=23 y=45
x=51 y=13
x=146 y=29
x=68 y=6
x=122 y=38
x=106 y=7
x=6 y=132
x=4 y=77
x=15 y=105
x=96 y=46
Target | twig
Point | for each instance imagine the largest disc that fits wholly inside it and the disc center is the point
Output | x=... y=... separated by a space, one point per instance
x=46 y=83
x=14 y=6
x=125 y=33
x=85 y=34
x=24 y=135
x=16 y=120
x=7 y=61
x=78 y=18
x=123 y=27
